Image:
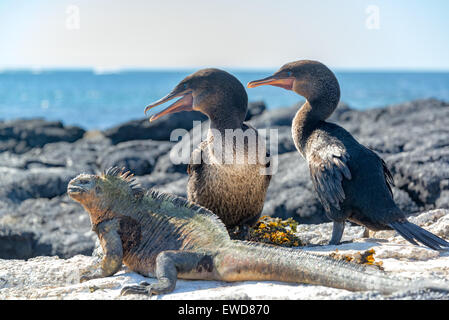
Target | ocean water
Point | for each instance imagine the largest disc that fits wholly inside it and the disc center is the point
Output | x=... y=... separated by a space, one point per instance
x=98 y=101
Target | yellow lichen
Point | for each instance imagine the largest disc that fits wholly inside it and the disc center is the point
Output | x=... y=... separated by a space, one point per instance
x=365 y=258
x=93 y=289
x=275 y=231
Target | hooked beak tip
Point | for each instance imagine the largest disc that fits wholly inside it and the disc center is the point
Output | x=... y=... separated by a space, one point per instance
x=261 y=82
x=286 y=83
x=183 y=104
x=250 y=85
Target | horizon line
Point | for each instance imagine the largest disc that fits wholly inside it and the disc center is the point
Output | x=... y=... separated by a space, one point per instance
x=116 y=70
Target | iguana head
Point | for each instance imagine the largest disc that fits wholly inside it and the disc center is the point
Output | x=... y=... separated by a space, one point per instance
x=98 y=193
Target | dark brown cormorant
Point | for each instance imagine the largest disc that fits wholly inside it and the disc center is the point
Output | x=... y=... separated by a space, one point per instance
x=352 y=182
x=233 y=188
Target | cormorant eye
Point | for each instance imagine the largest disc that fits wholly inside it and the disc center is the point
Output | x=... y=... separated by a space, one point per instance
x=185 y=85
x=289 y=73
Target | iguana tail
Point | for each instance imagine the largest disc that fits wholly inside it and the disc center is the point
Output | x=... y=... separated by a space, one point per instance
x=253 y=261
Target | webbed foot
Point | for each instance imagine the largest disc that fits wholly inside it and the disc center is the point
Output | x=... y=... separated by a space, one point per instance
x=240 y=232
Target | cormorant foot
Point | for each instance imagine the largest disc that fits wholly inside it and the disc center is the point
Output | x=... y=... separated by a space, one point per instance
x=240 y=232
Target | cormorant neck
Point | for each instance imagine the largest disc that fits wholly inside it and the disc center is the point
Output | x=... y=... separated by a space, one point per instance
x=321 y=99
x=221 y=122
x=321 y=109
x=309 y=117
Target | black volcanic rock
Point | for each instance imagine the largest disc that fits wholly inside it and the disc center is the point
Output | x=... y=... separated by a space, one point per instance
x=16 y=244
x=255 y=108
x=160 y=129
x=18 y=185
x=57 y=226
x=22 y=135
x=81 y=155
x=275 y=117
x=140 y=156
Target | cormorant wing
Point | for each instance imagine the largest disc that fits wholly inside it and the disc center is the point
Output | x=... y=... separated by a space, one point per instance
x=328 y=167
x=388 y=176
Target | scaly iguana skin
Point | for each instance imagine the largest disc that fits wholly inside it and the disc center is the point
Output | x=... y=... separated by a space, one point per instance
x=166 y=236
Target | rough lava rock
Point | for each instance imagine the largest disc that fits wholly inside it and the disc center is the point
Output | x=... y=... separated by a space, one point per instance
x=80 y=155
x=22 y=135
x=255 y=108
x=17 y=185
x=161 y=129
x=57 y=226
x=140 y=156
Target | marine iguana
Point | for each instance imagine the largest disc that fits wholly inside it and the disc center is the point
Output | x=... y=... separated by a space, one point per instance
x=166 y=236
x=234 y=190
x=352 y=182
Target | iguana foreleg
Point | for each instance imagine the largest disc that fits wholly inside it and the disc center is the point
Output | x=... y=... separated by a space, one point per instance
x=112 y=251
x=170 y=265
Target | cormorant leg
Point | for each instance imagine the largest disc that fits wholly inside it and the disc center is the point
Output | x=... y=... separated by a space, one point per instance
x=337 y=232
x=365 y=232
x=168 y=264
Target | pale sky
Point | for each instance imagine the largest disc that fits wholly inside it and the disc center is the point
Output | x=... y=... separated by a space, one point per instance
x=345 y=34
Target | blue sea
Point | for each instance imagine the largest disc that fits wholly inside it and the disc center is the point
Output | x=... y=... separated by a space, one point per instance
x=101 y=100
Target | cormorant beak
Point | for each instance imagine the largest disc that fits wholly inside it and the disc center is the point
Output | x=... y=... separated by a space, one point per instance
x=274 y=80
x=183 y=104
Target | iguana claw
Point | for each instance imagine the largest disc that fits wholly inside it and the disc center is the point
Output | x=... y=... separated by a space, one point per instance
x=90 y=275
x=142 y=288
